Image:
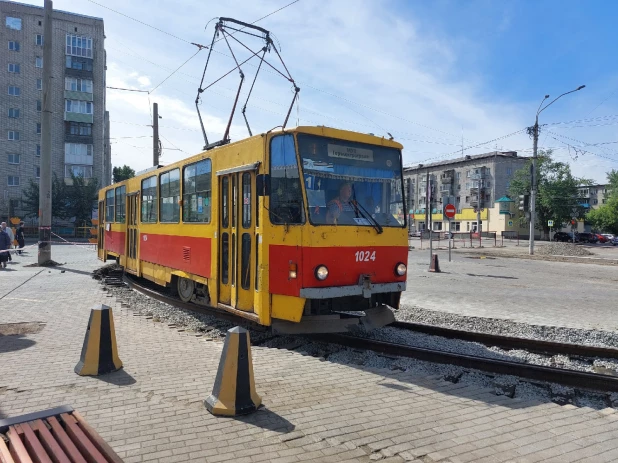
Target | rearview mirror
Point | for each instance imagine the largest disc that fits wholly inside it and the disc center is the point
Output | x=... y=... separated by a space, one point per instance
x=262 y=184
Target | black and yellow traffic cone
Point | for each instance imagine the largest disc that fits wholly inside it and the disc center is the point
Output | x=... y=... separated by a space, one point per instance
x=234 y=390
x=99 y=352
x=435 y=264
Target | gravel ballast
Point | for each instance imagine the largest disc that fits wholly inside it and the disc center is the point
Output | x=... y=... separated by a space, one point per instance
x=563 y=249
x=211 y=327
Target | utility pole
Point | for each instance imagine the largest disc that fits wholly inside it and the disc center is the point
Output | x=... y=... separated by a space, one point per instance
x=533 y=176
x=155 y=134
x=535 y=143
x=429 y=221
x=45 y=187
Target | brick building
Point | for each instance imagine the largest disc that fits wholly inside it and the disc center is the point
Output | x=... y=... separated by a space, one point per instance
x=80 y=132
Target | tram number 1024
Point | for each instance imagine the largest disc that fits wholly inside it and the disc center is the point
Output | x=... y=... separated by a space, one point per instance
x=365 y=256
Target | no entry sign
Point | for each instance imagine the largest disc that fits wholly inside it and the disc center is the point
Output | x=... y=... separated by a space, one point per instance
x=450 y=210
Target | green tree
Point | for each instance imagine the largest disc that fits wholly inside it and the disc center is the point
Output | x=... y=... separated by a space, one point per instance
x=556 y=193
x=82 y=198
x=30 y=198
x=605 y=218
x=122 y=173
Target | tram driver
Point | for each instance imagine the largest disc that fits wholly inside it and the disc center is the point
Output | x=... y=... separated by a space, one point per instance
x=341 y=203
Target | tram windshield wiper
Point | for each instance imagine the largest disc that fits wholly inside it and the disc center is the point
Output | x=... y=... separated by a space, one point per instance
x=367 y=216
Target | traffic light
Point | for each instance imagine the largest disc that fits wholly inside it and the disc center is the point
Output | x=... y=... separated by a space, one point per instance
x=524 y=203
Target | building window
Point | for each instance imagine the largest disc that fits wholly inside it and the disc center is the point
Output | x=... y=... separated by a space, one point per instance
x=604 y=201
x=13 y=45
x=13 y=158
x=458 y=175
x=196 y=192
x=79 y=46
x=468 y=185
x=38 y=105
x=487 y=171
x=467 y=199
x=488 y=184
x=81 y=64
x=13 y=180
x=13 y=135
x=437 y=226
x=109 y=206
x=37 y=172
x=38 y=62
x=14 y=68
x=468 y=174
x=458 y=199
x=39 y=84
x=78 y=171
x=38 y=40
x=75 y=84
x=78 y=128
x=38 y=128
x=509 y=171
x=13 y=23
x=78 y=106
x=149 y=200
x=169 y=196
x=77 y=149
x=14 y=91
x=595 y=201
x=121 y=200
x=14 y=113
x=38 y=150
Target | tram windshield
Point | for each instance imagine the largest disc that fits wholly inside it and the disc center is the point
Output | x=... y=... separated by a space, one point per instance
x=349 y=183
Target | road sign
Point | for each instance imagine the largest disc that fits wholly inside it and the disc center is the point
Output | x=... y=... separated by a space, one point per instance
x=550 y=223
x=510 y=223
x=450 y=210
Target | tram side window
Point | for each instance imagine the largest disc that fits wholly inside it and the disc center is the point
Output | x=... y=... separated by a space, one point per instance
x=120 y=203
x=169 y=191
x=149 y=200
x=109 y=206
x=286 y=199
x=196 y=192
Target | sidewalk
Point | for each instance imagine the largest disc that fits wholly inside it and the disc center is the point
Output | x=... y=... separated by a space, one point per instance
x=315 y=410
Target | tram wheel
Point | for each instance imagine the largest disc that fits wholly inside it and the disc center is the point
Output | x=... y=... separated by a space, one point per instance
x=186 y=288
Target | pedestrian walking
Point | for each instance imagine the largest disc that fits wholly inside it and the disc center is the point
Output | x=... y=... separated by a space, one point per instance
x=5 y=245
x=9 y=232
x=20 y=237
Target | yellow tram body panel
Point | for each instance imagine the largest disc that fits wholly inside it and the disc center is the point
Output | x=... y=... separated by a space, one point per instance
x=200 y=226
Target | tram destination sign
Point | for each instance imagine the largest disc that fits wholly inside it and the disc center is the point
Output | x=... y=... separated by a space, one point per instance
x=347 y=152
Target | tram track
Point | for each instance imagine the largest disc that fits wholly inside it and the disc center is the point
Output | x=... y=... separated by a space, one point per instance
x=562 y=376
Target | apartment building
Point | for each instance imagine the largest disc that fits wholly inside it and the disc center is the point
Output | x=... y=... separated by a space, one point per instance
x=472 y=183
x=80 y=123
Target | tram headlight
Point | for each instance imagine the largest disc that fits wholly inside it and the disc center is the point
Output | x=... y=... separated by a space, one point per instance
x=400 y=269
x=321 y=272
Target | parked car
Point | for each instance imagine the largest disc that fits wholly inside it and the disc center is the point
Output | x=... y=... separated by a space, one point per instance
x=588 y=238
x=601 y=238
x=615 y=241
x=609 y=236
x=565 y=237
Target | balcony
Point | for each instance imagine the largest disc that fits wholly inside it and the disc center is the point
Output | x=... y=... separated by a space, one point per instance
x=445 y=189
x=478 y=176
x=447 y=176
x=477 y=186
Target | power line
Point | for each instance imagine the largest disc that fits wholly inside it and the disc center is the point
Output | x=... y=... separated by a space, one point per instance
x=128 y=89
x=177 y=69
x=146 y=24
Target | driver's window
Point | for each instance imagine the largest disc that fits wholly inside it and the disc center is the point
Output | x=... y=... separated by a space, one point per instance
x=286 y=199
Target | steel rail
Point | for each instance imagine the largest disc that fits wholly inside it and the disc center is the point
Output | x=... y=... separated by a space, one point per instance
x=572 y=378
x=509 y=342
x=206 y=310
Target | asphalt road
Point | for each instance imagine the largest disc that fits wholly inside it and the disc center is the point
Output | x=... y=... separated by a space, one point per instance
x=530 y=291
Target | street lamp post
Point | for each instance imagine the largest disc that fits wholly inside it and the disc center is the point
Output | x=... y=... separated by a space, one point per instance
x=535 y=137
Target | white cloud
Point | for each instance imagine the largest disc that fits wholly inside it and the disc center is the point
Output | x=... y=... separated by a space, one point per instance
x=386 y=74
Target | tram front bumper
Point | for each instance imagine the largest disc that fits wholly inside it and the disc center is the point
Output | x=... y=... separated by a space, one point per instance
x=365 y=288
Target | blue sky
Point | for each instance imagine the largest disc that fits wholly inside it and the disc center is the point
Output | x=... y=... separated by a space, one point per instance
x=423 y=71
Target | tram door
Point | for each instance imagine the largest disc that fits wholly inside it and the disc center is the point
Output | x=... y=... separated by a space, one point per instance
x=101 y=231
x=132 y=239
x=237 y=240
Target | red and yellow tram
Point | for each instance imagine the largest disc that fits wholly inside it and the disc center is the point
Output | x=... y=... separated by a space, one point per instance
x=290 y=228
